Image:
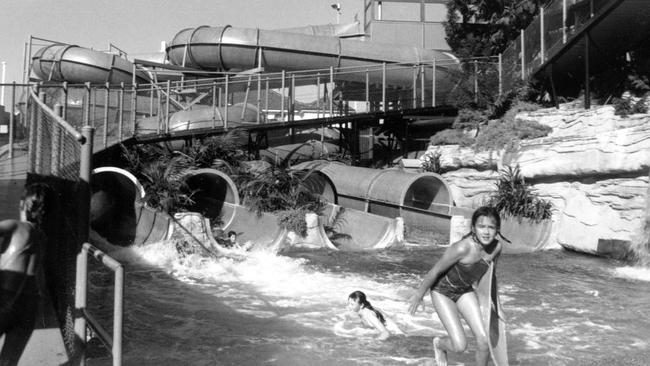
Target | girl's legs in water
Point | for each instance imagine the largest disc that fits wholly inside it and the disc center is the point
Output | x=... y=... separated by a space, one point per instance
x=450 y=318
x=449 y=313
x=470 y=309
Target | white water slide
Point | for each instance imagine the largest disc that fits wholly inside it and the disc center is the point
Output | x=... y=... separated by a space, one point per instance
x=240 y=49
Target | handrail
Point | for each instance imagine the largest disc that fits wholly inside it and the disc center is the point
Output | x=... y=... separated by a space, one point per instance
x=84 y=318
x=76 y=134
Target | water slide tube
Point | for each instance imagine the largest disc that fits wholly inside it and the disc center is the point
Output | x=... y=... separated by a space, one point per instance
x=423 y=200
x=227 y=48
x=74 y=64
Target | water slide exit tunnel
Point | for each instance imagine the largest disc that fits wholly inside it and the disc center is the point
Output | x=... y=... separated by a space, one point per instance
x=422 y=200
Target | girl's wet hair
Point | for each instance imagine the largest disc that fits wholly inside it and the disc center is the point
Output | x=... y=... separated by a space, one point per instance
x=360 y=297
x=35 y=201
x=487 y=211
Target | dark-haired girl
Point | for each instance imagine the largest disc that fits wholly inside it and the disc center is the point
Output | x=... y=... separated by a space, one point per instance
x=451 y=282
x=371 y=317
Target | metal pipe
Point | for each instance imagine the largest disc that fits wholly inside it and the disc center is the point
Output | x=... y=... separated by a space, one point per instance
x=225 y=118
x=151 y=89
x=32 y=137
x=433 y=83
x=12 y=120
x=106 y=104
x=331 y=91
x=259 y=96
x=266 y=98
x=475 y=81
x=55 y=163
x=564 y=19
x=214 y=104
x=422 y=85
x=284 y=75
x=80 y=296
x=541 y=35
x=134 y=105
x=523 y=55
x=293 y=97
x=118 y=316
x=367 y=91
x=248 y=88
x=500 y=74
x=383 y=86
x=169 y=90
x=318 y=96
x=65 y=100
x=39 y=135
x=120 y=111
x=414 y=86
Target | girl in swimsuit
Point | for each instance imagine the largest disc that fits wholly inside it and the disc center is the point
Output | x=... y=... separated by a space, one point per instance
x=450 y=282
x=358 y=304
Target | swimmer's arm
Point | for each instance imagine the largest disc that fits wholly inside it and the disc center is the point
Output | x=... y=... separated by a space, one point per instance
x=452 y=255
x=7 y=227
x=371 y=318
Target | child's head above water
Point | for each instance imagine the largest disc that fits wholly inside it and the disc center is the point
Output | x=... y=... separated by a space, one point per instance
x=357 y=301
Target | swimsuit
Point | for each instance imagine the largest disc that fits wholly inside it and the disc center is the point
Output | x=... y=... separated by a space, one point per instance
x=458 y=280
x=18 y=301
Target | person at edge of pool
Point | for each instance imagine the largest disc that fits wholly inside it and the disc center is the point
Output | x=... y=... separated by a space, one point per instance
x=23 y=245
x=451 y=284
x=358 y=304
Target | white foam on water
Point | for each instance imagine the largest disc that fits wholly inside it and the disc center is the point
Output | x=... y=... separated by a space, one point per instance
x=639 y=273
x=265 y=285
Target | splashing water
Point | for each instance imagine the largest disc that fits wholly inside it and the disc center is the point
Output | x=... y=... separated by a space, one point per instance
x=263 y=308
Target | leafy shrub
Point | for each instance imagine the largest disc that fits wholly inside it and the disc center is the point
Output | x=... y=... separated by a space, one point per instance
x=451 y=137
x=293 y=220
x=622 y=107
x=469 y=119
x=515 y=198
x=431 y=162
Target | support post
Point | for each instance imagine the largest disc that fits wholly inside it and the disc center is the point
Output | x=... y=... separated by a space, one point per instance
x=500 y=74
x=542 y=35
x=120 y=112
x=331 y=91
x=169 y=90
x=587 y=84
x=433 y=83
x=55 y=162
x=564 y=19
x=12 y=120
x=284 y=78
x=106 y=104
x=383 y=87
x=214 y=104
x=134 y=106
x=39 y=135
x=523 y=55
x=225 y=112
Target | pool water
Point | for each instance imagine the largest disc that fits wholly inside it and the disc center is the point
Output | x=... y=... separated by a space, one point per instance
x=562 y=308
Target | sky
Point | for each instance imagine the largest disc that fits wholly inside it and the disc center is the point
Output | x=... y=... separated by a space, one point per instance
x=139 y=26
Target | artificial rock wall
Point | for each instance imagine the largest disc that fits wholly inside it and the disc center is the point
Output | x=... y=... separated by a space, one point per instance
x=593 y=166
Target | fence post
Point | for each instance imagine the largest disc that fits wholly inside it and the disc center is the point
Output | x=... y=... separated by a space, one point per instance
x=225 y=112
x=414 y=94
x=383 y=87
x=523 y=55
x=134 y=105
x=56 y=143
x=118 y=315
x=169 y=90
x=564 y=17
x=32 y=135
x=500 y=74
x=367 y=91
x=214 y=104
x=80 y=295
x=331 y=91
x=542 y=46
x=39 y=135
x=475 y=81
x=106 y=104
x=284 y=76
x=433 y=83
x=12 y=120
x=120 y=111
x=422 y=86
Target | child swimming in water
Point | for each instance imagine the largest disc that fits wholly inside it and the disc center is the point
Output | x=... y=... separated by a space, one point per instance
x=359 y=305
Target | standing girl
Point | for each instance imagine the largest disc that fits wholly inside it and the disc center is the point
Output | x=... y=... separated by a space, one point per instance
x=451 y=282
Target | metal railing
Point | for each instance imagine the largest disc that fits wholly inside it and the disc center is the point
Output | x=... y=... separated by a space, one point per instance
x=114 y=342
x=557 y=22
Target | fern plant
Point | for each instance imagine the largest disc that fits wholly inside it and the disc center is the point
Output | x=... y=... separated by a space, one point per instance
x=514 y=197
